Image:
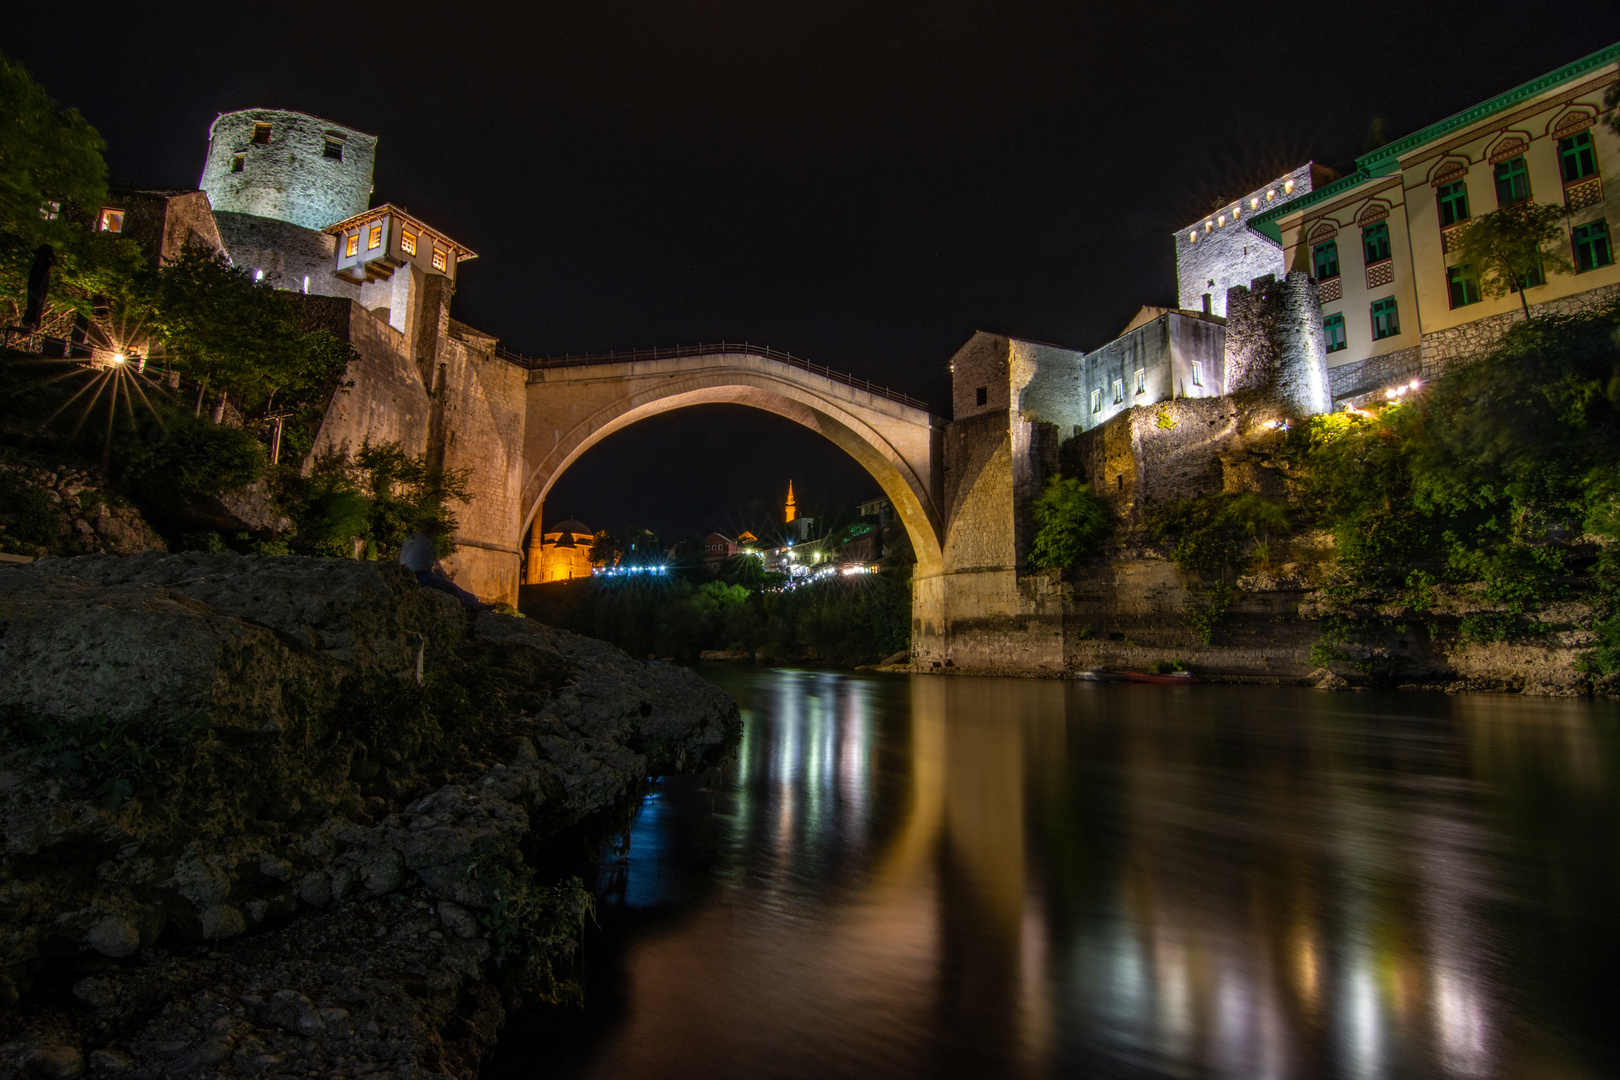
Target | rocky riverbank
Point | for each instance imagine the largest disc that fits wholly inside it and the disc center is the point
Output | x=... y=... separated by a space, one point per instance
x=280 y=817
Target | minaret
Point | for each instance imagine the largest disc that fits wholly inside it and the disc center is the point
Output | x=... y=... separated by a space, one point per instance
x=792 y=512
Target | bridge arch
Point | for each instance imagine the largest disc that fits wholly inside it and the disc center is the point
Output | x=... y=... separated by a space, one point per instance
x=572 y=407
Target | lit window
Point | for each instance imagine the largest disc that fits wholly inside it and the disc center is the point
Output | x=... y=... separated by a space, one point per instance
x=1592 y=247
x=1375 y=242
x=111 y=220
x=1333 y=331
x=351 y=246
x=1221 y=221
x=1119 y=391
x=1198 y=374
x=1326 y=260
x=1288 y=188
x=50 y=210
x=1096 y=401
x=1254 y=203
x=1453 y=202
x=1209 y=226
x=407 y=240
x=1192 y=237
x=1512 y=182
x=1385 y=323
x=334 y=150
x=1463 y=284
x=1272 y=194
x=238 y=162
x=374 y=240
x=1576 y=157
x=440 y=259
x=1141 y=380
x=1237 y=211
x=261 y=133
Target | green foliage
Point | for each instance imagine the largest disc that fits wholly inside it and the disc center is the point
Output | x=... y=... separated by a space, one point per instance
x=1209 y=609
x=1165 y=421
x=241 y=336
x=48 y=153
x=1515 y=245
x=1208 y=534
x=28 y=515
x=379 y=496
x=534 y=932
x=189 y=460
x=1070 y=523
x=110 y=758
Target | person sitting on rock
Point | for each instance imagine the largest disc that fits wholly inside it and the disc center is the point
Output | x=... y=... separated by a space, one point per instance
x=420 y=556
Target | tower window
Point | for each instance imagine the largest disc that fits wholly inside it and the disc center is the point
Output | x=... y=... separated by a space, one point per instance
x=1375 y=242
x=1119 y=391
x=1326 y=260
x=110 y=220
x=407 y=240
x=1576 y=157
x=1512 y=182
x=1096 y=401
x=981 y=396
x=1333 y=332
x=1453 y=202
x=334 y=150
x=1592 y=247
x=351 y=244
x=1141 y=380
x=1197 y=374
x=238 y=162
x=1385 y=323
x=440 y=259
x=261 y=133
x=374 y=239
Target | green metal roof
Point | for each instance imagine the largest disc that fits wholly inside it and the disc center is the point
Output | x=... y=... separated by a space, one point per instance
x=1387 y=158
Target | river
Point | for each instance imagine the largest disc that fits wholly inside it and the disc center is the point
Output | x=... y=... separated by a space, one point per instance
x=936 y=876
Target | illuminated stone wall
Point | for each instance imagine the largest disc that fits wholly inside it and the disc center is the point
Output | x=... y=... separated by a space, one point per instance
x=289 y=177
x=1220 y=251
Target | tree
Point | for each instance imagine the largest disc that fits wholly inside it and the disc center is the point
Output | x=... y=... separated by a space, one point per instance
x=1069 y=524
x=50 y=160
x=1514 y=247
x=606 y=549
x=241 y=336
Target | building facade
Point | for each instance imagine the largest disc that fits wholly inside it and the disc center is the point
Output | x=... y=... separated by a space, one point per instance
x=560 y=553
x=1398 y=303
x=1218 y=252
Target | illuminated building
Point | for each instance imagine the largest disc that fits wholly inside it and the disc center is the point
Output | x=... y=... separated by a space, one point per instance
x=561 y=553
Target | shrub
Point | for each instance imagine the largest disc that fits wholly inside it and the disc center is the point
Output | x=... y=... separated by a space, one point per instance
x=1070 y=523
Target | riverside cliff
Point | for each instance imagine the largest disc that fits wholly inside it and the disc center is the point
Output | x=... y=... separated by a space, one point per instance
x=282 y=817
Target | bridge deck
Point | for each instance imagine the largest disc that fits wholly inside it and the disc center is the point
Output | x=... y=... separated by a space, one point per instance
x=676 y=351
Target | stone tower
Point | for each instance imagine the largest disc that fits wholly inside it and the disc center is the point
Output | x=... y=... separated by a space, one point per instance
x=1275 y=344
x=288 y=166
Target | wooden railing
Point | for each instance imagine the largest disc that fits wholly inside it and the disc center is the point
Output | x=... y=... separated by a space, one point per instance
x=676 y=351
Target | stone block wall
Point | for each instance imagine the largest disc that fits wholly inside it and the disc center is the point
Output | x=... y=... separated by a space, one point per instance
x=289 y=178
x=1227 y=252
x=387 y=402
x=287 y=254
x=1274 y=344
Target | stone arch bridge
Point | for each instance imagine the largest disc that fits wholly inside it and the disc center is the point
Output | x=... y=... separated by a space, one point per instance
x=572 y=403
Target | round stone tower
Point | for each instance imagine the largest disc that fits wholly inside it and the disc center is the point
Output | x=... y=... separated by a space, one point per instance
x=289 y=166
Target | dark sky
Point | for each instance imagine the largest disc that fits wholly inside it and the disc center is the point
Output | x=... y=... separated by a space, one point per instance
x=861 y=183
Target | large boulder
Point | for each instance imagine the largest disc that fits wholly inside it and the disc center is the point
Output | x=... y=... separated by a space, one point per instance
x=208 y=748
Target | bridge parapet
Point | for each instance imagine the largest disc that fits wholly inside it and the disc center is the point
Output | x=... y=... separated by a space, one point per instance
x=673 y=352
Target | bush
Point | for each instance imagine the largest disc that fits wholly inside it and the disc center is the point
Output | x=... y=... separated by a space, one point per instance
x=1070 y=524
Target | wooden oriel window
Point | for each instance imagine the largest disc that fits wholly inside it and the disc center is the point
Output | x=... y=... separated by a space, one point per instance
x=440 y=259
x=374 y=238
x=407 y=240
x=351 y=244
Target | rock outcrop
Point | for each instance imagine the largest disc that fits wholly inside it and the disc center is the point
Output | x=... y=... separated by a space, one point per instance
x=280 y=816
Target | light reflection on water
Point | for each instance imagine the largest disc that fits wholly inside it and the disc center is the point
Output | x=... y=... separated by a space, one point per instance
x=971 y=877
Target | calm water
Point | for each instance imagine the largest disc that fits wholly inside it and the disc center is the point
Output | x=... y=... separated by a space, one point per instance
x=923 y=876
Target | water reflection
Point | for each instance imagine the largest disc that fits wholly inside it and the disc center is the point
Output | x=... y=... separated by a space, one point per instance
x=969 y=877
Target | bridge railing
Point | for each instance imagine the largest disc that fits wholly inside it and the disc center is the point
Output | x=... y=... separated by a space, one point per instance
x=675 y=351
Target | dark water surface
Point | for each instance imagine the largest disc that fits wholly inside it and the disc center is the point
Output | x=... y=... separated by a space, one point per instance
x=925 y=876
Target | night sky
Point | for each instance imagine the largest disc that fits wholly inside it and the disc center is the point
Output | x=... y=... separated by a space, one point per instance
x=858 y=182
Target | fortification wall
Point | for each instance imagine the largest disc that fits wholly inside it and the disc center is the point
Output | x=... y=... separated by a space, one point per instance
x=288 y=255
x=1275 y=345
x=387 y=401
x=484 y=402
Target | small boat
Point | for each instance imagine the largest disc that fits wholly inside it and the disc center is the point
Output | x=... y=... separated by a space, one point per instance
x=1174 y=678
